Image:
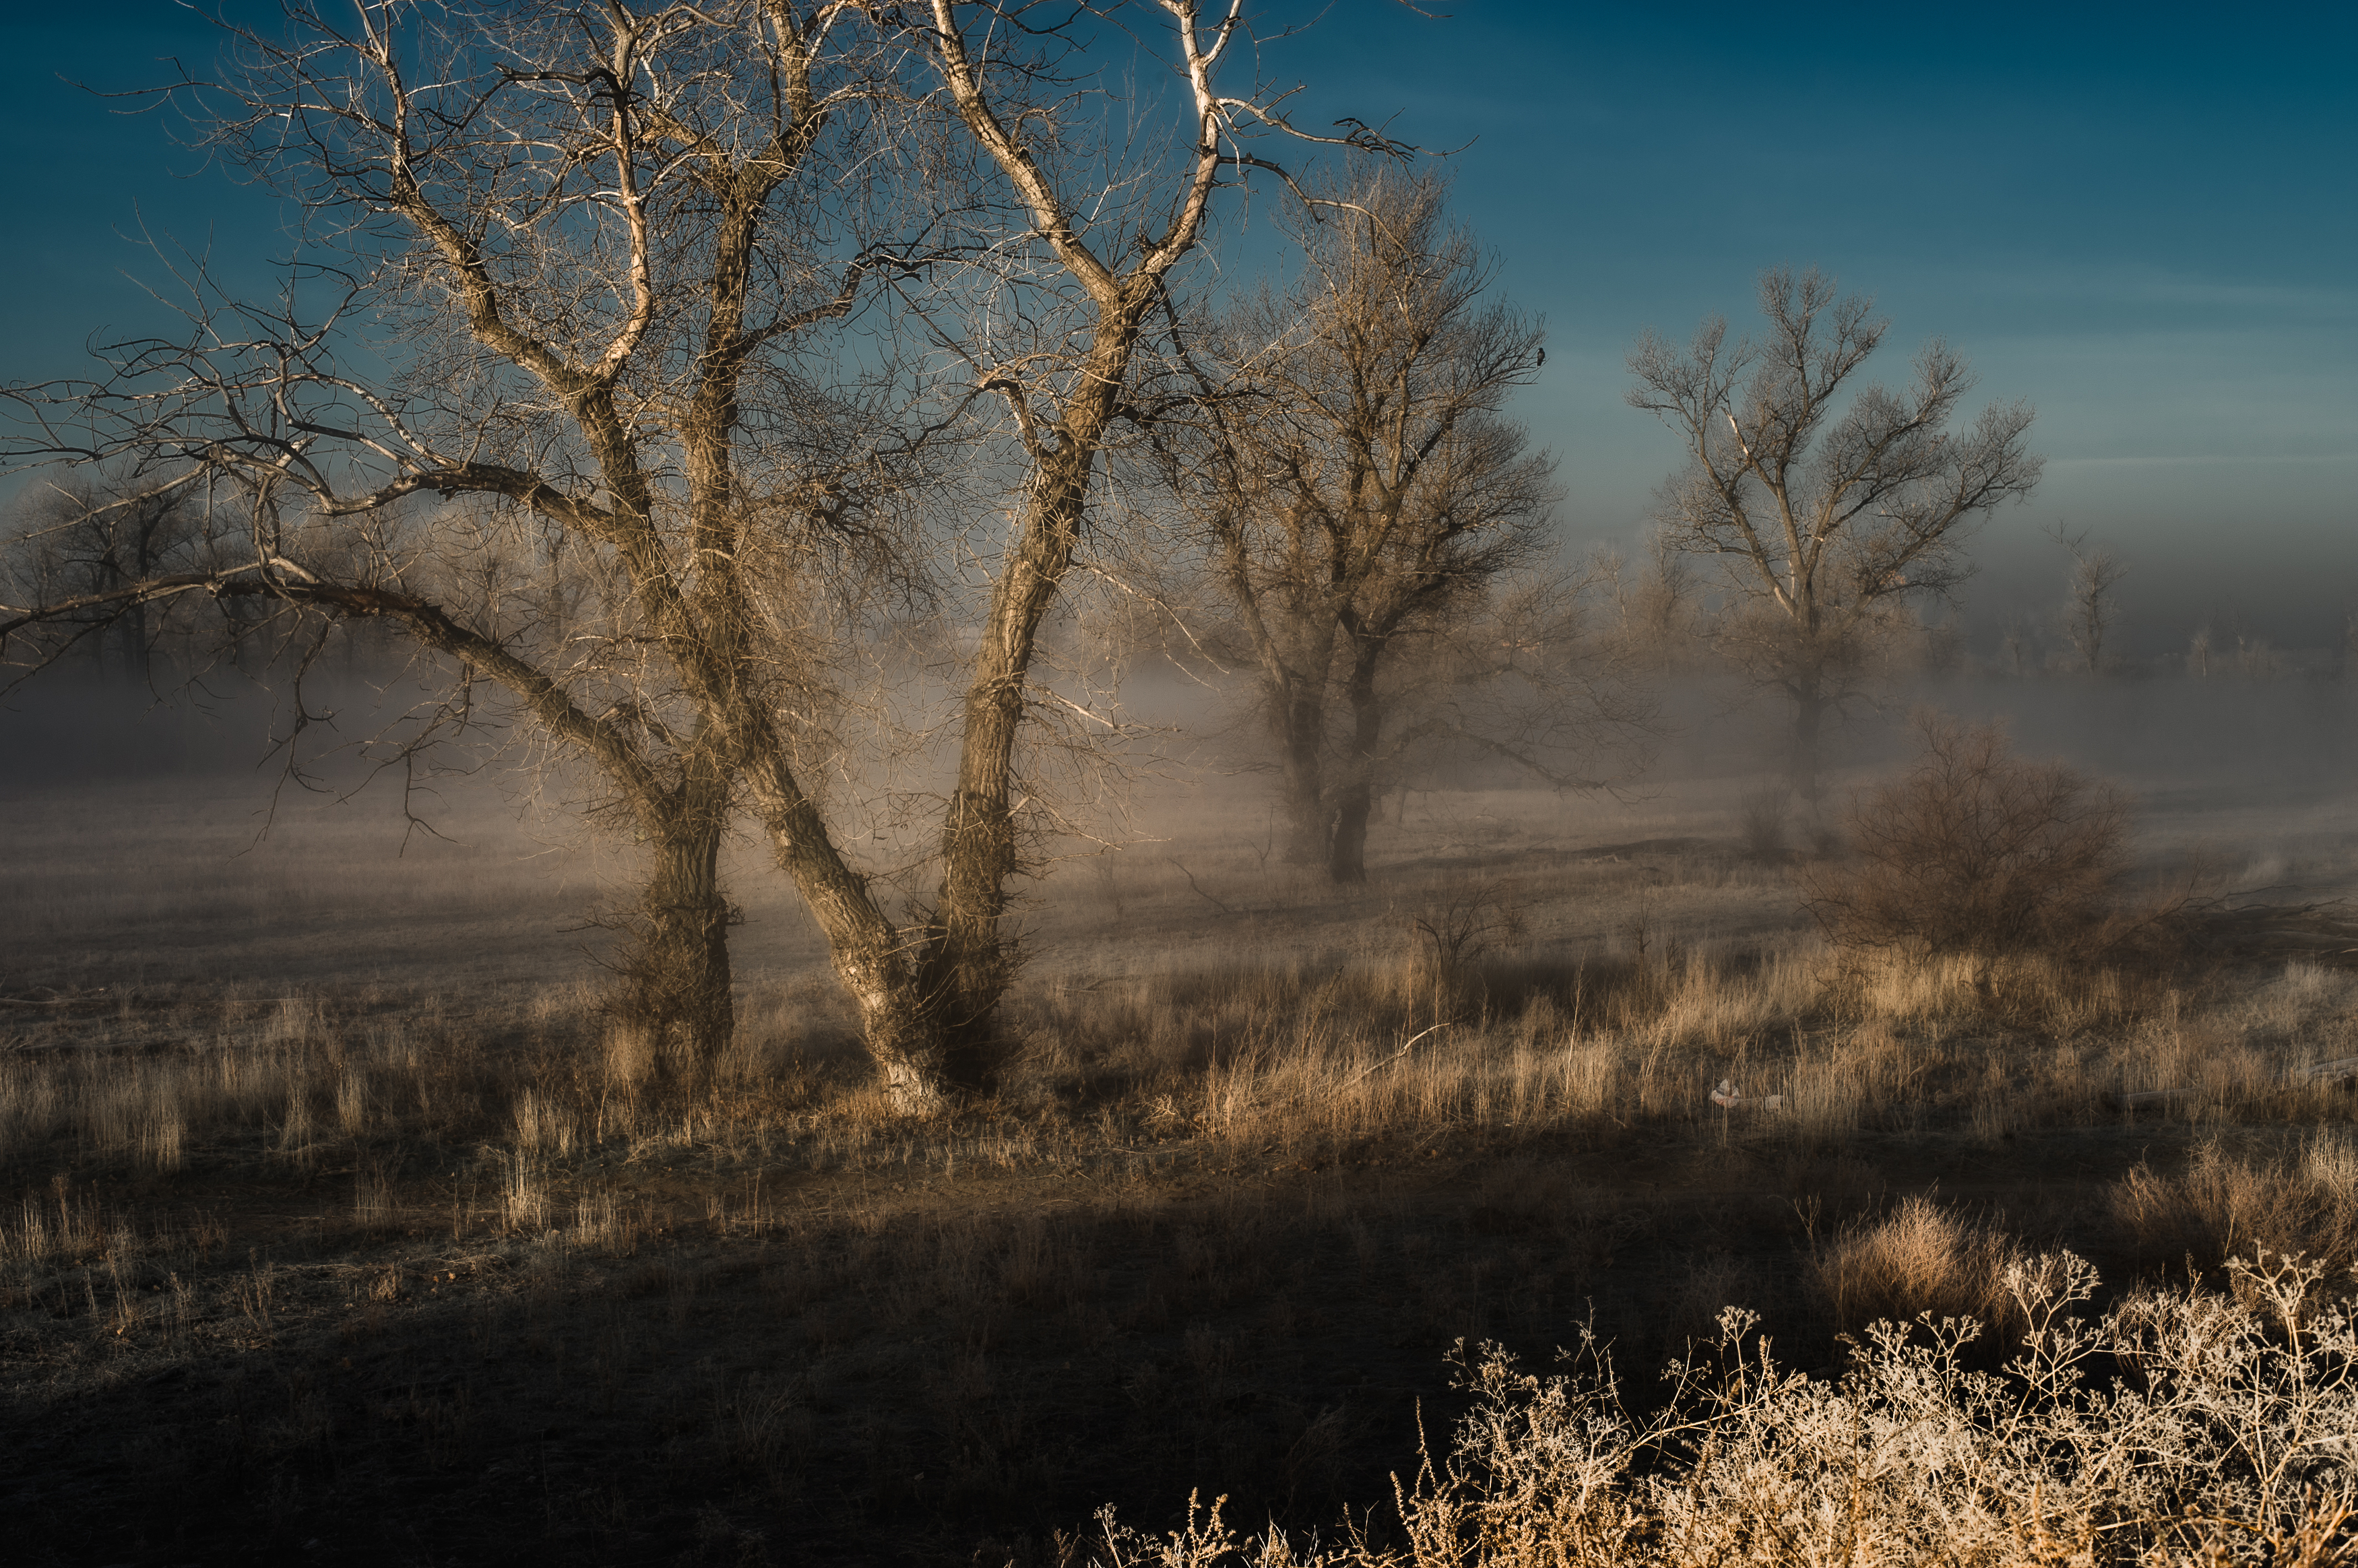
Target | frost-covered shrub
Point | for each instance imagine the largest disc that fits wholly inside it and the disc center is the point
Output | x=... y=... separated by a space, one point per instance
x=2179 y=1428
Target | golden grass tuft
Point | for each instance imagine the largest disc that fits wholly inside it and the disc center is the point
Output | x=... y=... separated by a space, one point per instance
x=1920 y=1258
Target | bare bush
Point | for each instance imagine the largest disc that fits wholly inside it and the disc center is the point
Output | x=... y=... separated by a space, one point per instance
x=1762 y=819
x=1459 y=924
x=1975 y=851
x=2227 y=1444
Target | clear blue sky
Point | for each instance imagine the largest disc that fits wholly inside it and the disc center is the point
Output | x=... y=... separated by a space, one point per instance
x=2144 y=220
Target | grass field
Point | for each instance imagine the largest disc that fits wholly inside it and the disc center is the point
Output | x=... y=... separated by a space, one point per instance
x=335 y=1221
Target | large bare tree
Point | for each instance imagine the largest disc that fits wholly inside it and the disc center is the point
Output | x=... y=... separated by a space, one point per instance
x=1831 y=504
x=1362 y=492
x=555 y=254
x=598 y=246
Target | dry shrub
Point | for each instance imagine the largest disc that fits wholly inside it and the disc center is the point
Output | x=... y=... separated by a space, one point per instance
x=1975 y=851
x=2229 y=1447
x=1919 y=1258
x=1459 y=926
x=2219 y=1207
x=1762 y=818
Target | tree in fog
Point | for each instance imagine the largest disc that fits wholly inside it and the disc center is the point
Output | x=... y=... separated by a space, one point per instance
x=627 y=470
x=585 y=242
x=90 y=536
x=1657 y=609
x=2089 y=613
x=1830 y=505
x=1363 y=496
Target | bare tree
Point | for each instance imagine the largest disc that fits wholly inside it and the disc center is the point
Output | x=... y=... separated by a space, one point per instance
x=1658 y=617
x=1827 y=512
x=1081 y=281
x=1361 y=492
x=605 y=248
x=90 y=536
x=582 y=240
x=2089 y=613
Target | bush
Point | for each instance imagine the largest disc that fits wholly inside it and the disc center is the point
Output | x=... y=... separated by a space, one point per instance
x=2185 y=1429
x=1975 y=851
x=1762 y=817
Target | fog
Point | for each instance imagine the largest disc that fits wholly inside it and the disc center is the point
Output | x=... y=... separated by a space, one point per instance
x=2252 y=756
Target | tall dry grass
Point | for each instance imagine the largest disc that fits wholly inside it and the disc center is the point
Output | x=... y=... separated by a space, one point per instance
x=1286 y=1056
x=2223 y=1205
x=1920 y=1258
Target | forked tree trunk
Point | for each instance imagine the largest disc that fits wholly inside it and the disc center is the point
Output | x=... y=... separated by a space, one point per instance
x=879 y=964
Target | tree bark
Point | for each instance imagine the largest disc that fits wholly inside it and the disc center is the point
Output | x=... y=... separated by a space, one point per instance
x=1302 y=726
x=1356 y=800
x=678 y=979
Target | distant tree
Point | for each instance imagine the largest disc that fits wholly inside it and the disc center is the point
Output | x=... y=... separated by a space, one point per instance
x=1363 y=499
x=1660 y=617
x=1830 y=505
x=2089 y=613
x=92 y=535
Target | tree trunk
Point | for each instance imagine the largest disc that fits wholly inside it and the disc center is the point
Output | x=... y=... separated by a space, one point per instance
x=1809 y=721
x=1309 y=817
x=679 y=976
x=138 y=664
x=1357 y=799
x=1349 y=862
x=903 y=1034
x=971 y=961
x=878 y=963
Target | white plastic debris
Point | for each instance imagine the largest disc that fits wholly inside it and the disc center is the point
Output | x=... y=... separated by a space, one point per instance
x=1727 y=1096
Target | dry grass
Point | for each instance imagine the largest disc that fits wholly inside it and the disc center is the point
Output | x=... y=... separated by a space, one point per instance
x=1253 y=1170
x=2221 y=1205
x=1920 y=1259
x=1310 y=1062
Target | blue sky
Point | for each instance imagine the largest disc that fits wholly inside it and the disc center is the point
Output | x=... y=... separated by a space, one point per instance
x=2145 y=221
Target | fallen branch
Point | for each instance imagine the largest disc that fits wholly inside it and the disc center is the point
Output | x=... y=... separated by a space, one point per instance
x=99 y=995
x=1396 y=1055
x=2339 y=1070
x=2342 y=1069
x=1191 y=883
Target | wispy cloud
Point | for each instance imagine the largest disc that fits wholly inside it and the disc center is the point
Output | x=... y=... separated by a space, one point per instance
x=2207 y=460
